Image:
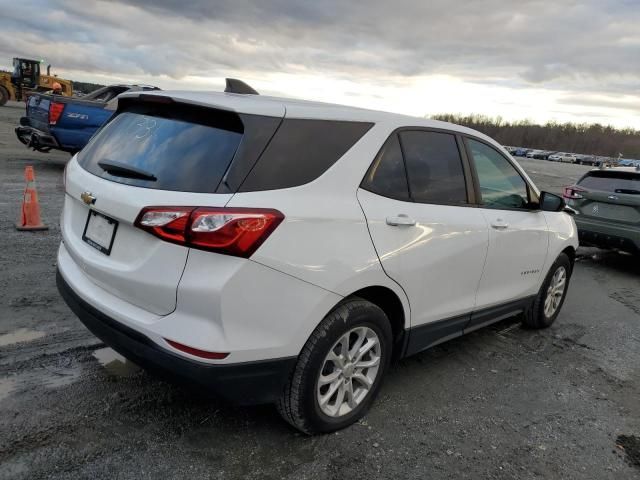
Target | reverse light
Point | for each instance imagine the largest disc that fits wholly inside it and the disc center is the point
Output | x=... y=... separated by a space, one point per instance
x=55 y=110
x=572 y=192
x=196 y=351
x=231 y=231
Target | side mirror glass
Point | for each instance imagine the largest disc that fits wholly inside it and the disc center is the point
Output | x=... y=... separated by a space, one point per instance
x=551 y=203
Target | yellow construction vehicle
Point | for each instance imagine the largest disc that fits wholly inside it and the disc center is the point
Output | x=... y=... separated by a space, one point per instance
x=26 y=78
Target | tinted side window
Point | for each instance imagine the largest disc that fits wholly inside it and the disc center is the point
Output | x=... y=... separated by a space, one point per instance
x=301 y=151
x=501 y=185
x=387 y=175
x=434 y=167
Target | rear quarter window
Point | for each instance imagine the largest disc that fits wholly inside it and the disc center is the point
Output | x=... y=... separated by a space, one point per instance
x=300 y=151
x=185 y=149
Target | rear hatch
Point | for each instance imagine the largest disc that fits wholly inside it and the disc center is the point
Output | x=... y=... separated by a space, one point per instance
x=38 y=111
x=608 y=195
x=147 y=155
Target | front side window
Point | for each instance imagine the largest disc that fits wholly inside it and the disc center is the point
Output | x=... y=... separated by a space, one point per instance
x=387 y=175
x=434 y=167
x=501 y=186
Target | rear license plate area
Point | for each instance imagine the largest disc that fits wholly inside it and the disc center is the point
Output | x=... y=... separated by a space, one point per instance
x=100 y=231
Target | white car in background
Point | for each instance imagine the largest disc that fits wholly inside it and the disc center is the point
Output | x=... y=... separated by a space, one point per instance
x=280 y=251
x=556 y=156
x=568 y=158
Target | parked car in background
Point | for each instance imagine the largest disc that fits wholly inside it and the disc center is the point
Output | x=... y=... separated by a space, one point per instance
x=555 y=157
x=67 y=123
x=543 y=154
x=628 y=162
x=608 y=204
x=587 y=160
x=522 y=152
x=568 y=158
x=195 y=241
x=511 y=150
x=532 y=153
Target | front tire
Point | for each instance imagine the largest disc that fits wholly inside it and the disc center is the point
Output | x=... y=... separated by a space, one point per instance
x=340 y=369
x=548 y=303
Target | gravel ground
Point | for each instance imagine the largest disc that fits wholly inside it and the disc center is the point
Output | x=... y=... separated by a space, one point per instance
x=502 y=402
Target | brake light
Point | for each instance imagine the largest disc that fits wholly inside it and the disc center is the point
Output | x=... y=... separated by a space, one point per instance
x=572 y=192
x=55 y=110
x=231 y=231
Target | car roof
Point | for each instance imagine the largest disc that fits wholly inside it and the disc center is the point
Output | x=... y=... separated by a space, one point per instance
x=304 y=109
x=616 y=169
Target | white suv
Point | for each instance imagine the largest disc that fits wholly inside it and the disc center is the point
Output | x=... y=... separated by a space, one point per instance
x=273 y=250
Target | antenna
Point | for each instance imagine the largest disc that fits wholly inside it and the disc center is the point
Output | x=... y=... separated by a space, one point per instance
x=238 y=86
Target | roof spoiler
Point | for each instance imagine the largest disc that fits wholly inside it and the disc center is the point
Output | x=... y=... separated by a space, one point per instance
x=238 y=86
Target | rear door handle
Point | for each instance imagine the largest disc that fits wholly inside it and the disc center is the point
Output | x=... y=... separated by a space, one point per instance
x=401 y=220
x=499 y=224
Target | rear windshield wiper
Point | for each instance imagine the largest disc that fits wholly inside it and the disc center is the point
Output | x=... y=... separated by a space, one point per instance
x=123 y=170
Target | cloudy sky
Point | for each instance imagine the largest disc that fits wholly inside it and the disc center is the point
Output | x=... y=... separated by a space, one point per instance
x=541 y=60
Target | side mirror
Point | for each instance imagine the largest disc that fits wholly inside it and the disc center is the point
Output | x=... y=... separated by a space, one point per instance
x=551 y=203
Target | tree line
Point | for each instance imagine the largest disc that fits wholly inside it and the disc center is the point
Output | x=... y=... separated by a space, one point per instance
x=585 y=138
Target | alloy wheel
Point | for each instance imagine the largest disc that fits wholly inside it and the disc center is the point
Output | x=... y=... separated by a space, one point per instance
x=555 y=292
x=349 y=372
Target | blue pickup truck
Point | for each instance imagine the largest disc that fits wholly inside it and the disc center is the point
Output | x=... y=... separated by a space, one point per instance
x=67 y=123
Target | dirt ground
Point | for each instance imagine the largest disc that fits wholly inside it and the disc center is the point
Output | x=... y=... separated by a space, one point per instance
x=502 y=402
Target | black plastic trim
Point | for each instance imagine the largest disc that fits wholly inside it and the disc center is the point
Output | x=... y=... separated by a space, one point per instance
x=426 y=336
x=248 y=383
x=490 y=315
x=431 y=334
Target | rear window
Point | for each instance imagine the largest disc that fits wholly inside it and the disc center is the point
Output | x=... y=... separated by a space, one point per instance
x=184 y=149
x=611 y=181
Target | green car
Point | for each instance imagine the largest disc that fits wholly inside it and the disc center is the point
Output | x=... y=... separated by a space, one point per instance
x=607 y=202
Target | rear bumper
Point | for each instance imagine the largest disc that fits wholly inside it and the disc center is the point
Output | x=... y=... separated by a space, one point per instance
x=246 y=383
x=607 y=235
x=35 y=138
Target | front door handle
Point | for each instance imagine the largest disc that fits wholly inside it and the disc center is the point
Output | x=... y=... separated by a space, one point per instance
x=401 y=220
x=499 y=224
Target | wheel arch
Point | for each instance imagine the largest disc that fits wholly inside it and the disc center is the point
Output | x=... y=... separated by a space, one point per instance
x=571 y=253
x=393 y=307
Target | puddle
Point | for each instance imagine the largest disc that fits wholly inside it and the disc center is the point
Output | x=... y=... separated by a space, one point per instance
x=48 y=377
x=20 y=335
x=115 y=364
x=7 y=385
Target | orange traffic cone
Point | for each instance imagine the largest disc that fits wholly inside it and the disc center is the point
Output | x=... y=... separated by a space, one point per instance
x=30 y=215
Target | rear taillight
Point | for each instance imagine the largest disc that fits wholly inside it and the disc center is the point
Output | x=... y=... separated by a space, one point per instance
x=55 y=110
x=572 y=192
x=231 y=231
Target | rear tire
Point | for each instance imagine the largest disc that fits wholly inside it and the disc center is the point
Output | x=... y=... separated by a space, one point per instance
x=548 y=303
x=4 y=96
x=324 y=367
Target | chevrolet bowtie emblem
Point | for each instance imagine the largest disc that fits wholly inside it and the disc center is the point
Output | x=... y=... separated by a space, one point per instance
x=88 y=198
